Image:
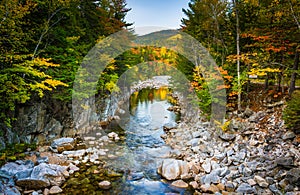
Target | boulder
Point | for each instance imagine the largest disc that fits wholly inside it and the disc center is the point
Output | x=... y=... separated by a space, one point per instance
x=172 y=169
x=41 y=176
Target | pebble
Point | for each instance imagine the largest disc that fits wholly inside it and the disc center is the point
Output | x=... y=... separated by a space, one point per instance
x=105 y=185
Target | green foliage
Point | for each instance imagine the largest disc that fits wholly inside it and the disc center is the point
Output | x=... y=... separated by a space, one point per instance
x=42 y=44
x=15 y=152
x=291 y=113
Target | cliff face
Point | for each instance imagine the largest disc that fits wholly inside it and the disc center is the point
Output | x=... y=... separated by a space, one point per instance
x=38 y=122
x=44 y=120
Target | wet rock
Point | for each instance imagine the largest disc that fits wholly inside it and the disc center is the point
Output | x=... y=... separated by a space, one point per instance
x=179 y=184
x=55 y=190
x=245 y=188
x=133 y=176
x=293 y=176
x=289 y=135
x=227 y=136
x=261 y=181
x=62 y=144
x=172 y=169
x=105 y=185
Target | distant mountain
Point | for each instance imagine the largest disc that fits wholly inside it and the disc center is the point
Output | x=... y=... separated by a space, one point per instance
x=151 y=38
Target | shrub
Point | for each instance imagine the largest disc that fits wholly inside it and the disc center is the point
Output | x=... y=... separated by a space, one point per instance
x=291 y=114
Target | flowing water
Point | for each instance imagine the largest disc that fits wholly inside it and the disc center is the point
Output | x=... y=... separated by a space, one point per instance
x=141 y=148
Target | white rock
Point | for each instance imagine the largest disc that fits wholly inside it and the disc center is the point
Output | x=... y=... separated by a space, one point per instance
x=206 y=166
x=105 y=185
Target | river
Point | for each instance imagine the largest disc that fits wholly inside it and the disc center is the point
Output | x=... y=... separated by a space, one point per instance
x=140 y=149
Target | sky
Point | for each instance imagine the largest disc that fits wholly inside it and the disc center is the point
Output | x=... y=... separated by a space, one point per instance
x=153 y=15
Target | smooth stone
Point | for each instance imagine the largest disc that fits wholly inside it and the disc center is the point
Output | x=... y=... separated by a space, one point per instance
x=179 y=184
x=172 y=169
x=104 y=185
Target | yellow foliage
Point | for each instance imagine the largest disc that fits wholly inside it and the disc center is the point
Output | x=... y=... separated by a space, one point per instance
x=44 y=62
x=54 y=83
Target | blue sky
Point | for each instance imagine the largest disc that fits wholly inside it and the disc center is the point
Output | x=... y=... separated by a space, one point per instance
x=155 y=14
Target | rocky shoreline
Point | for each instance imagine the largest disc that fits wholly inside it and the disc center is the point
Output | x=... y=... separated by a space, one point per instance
x=250 y=160
x=256 y=155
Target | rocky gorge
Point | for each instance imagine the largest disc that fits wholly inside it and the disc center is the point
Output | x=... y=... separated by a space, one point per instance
x=254 y=155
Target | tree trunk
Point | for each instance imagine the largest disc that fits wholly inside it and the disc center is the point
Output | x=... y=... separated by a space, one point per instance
x=238 y=53
x=294 y=74
x=267 y=82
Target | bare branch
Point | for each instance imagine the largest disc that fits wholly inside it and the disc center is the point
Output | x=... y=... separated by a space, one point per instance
x=293 y=13
x=46 y=29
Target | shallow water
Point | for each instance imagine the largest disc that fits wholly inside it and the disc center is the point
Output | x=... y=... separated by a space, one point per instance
x=141 y=148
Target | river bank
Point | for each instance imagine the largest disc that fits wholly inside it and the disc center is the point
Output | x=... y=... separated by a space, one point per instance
x=257 y=155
